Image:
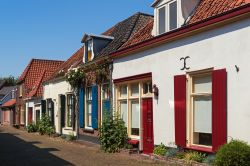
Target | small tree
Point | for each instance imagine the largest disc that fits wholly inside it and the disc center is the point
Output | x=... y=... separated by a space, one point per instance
x=113 y=133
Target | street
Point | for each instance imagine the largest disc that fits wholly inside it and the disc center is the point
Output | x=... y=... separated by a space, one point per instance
x=17 y=147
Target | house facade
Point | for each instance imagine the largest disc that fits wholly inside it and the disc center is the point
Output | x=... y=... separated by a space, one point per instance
x=30 y=90
x=8 y=103
x=96 y=92
x=59 y=98
x=180 y=79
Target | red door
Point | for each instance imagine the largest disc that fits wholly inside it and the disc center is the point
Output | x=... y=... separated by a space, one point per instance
x=30 y=115
x=148 y=134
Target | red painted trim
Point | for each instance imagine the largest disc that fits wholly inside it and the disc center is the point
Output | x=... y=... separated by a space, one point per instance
x=184 y=30
x=133 y=142
x=201 y=149
x=131 y=78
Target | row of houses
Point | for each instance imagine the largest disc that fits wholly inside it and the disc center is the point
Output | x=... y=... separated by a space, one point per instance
x=179 y=76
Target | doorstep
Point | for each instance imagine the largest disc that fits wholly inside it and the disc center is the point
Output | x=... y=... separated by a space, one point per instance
x=88 y=138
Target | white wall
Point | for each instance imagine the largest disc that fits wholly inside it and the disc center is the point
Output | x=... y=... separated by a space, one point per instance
x=52 y=91
x=221 y=48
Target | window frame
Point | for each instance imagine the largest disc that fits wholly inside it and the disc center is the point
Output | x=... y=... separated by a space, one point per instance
x=88 y=101
x=167 y=16
x=129 y=98
x=190 y=105
x=68 y=117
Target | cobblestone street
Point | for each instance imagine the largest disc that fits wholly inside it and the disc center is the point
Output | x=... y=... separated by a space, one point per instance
x=17 y=147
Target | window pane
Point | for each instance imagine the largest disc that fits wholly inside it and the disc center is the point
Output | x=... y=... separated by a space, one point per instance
x=89 y=114
x=135 y=117
x=105 y=91
x=203 y=84
x=124 y=112
x=173 y=15
x=147 y=87
x=89 y=93
x=135 y=90
x=203 y=114
x=162 y=20
x=123 y=91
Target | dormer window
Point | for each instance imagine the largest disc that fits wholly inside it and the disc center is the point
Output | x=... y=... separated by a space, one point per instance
x=167 y=17
x=89 y=54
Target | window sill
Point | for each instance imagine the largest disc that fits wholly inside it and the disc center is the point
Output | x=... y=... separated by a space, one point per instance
x=88 y=130
x=68 y=128
x=200 y=148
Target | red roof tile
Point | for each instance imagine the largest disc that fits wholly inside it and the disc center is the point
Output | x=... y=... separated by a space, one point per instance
x=73 y=61
x=34 y=73
x=141 y=35
x=204 y=10
x=9 y=103
x=210 y=8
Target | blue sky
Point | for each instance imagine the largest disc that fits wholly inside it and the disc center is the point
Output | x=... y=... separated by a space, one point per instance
x=52 y=29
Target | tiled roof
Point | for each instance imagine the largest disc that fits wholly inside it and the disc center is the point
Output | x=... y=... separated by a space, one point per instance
x=209 y=8
x=143 y=34
x=9 y=103
x=204 y=10
x=124 y=30
x=5 y=90
x=73 y=61
x=35 y=72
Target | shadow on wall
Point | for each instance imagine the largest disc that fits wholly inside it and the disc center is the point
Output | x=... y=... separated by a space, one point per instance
x=14 y=151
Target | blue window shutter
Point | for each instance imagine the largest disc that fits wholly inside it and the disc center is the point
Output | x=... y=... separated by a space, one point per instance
x=81 y=107
x=95 y=107
x=105 y=107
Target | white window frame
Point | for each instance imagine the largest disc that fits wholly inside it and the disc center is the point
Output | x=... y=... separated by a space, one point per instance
x=167 y=16
x=190 y=109
x=129 y=99
x=87 y=126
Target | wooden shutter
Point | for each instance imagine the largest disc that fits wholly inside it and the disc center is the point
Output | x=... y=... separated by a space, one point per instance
x=180 y=110
x=43 y=105
x=95 y=107
x=52 y=112
x=105 y=107
x=81 y=107
x=219 y=108
x=62 y=98
x=73 y=113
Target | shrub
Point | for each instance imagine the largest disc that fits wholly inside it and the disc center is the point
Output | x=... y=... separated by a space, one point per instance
x=113 y=133
x=191 y=156
x=17 y=126
x=71 y=137
x=172 y=152
x=209 y=159
x=32 y=128
x=234 y=153
x=45 y=126
x=160 y=150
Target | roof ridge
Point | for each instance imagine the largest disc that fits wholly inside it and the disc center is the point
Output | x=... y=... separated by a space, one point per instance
x=53 y=60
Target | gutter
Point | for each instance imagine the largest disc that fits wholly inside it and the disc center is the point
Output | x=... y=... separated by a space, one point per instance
x=188 y=30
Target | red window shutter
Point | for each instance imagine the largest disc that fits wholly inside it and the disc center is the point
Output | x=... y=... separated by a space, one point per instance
x=180 y=110
x=219 y=108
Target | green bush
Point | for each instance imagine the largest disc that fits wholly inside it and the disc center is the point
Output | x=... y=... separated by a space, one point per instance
x=17 y=126
x=160 y=150
x=32 y=128
x=172 y=152
x=191 y=156
x=209 y=159
x=45 y=126
x=71 y=137
x=113 y=133
x=235 y=153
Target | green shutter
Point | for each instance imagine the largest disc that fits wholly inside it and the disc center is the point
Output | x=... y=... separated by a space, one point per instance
x=62 y=98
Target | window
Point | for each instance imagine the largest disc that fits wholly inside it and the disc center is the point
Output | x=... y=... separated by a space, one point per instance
x=70 y=109
x=168 y=17
x=162 y=20
x=89 y=106
x=20 y=90
x=49 y=107
x=105 y=91
x=129 y=98
x=90 y=49
x=201 y=110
